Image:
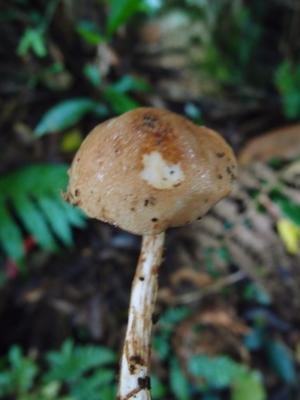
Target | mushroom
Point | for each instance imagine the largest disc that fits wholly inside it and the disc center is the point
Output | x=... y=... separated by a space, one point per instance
x=145 y=171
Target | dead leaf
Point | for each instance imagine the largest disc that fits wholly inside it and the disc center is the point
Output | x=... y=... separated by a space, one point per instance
x=280 y=143
x=190 y=275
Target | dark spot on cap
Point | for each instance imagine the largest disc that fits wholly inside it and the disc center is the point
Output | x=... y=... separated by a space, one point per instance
x=154 y=219
x=150 y=201
x=176 y=185
x=220 y=154
x=220 y=176
x=76 y=192
x=132 y=209
x=150 y=121
x=229 y=171
x=172 y=172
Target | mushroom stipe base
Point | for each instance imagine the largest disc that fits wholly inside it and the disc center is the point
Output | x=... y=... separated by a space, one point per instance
x=134 y=381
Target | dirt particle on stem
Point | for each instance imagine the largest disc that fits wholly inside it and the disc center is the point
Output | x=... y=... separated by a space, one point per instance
x=144 y=383
x=155 y=318
x=132 y=369
x=137 y=359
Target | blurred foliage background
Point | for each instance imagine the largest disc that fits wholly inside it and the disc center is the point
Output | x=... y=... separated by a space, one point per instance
x=228 y=311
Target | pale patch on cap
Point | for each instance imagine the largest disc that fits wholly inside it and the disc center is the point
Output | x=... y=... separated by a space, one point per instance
x=160 y=174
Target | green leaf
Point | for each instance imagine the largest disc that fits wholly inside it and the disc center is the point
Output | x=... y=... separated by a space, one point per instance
x=120 y=13
x=71 y=141
x=89 y=387
x=34 y=221
x=119 y=101
x=51 y=390
x=89 y=32
x=70 y=363
x=5 y=383
x=64 y=115
x=287 y=81
x=96 y=355
x=161 y=344
x=289 y=209
x=161 y=341
x=222 y=372
x=107 y=393
x=218 y=372
x=254 y=292
x=82 y=372
x=92 y=73
x=74 y=215
x=282 y=360
x=158 y=390
x=129 y=83
x=10 y=235
x=192 y=111
x=174 y=315
x=23 y=370
x=291 y=104
x=178 y=382
x=254 y=340
x=248 y=386
x=32 y=39
x=211 y=396
x=34 y=193
x=57 y=218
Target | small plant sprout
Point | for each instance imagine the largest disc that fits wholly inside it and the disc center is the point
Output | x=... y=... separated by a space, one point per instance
x=146 y=171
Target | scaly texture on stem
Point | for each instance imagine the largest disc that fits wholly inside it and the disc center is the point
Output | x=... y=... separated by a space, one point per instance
x=134 y=381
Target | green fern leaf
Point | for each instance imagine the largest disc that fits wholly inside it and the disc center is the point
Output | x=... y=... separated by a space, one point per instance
x=34 y=221
x=57 y=218
x=74 y=217
x=31 y=197
x=10 y=234
x=90 y=387
x=19 y=375
x=71 y=363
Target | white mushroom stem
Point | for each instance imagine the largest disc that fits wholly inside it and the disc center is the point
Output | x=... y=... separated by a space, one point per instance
x=134 y=381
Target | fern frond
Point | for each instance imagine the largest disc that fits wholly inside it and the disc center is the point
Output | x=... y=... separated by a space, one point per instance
x=20 y=374
x=30 y=199
x=71 y=363
x=92 y=387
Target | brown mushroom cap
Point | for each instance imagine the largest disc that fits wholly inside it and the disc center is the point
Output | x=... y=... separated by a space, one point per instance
x=150 y=169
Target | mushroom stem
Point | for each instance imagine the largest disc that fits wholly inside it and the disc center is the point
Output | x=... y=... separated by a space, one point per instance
x=134 y=378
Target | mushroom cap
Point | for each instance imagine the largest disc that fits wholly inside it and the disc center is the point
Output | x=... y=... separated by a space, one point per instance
x=150 y=169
